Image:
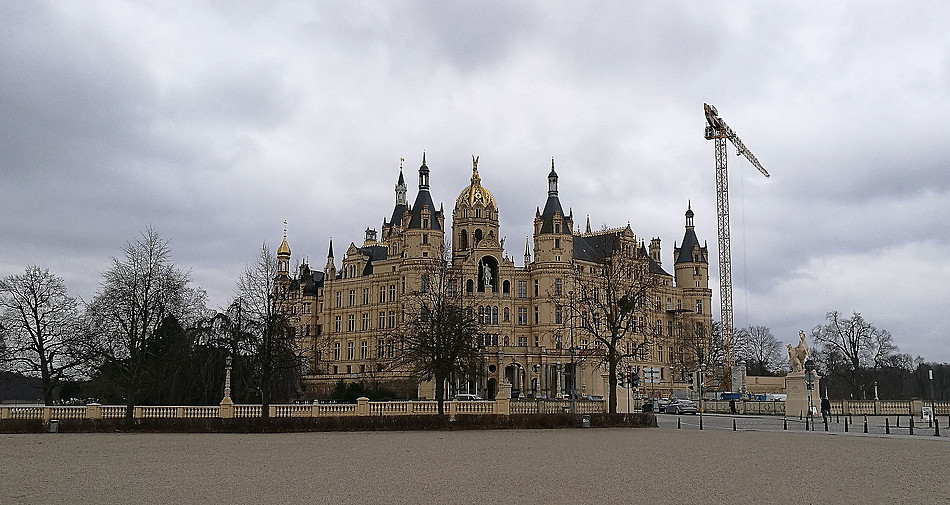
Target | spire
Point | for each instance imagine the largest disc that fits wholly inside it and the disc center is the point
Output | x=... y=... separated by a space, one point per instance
x=588 y=224
x=284 y=249
x=689 y=215
x=330 y=255
x=527 y=252
x=423 y=174
x=401 y=186
x=552 y=181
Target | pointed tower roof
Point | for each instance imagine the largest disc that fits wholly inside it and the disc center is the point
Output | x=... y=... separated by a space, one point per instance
x=330 y=255
x=423 y=201
x=553 y=205
x=684 y=254
x=284 y=249
x=401 y=202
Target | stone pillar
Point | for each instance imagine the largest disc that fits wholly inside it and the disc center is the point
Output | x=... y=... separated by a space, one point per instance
x=796 y=403
x=5 y=412
x=362 y=406
x=503 y=399
x=917 y=408
x=93 y=411
x=453 y=408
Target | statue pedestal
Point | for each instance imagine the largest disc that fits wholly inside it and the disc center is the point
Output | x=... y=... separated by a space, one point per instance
x=796 y=403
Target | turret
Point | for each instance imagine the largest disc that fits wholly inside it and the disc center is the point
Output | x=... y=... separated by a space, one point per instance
x=330 y=270
x=691 y=260
x=283 y=256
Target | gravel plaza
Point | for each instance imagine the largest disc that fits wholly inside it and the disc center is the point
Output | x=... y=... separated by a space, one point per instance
x=661 y=465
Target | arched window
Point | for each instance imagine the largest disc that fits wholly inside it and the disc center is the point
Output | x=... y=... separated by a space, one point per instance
x=481 y=315
x=470 y=286
x=507 y=314
x=506 y=287
x=478 y=235
x=494 y=315
x=463 y=240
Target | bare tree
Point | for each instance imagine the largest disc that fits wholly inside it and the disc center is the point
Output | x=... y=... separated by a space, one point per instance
x=136 y=294
x=760 y=349
x=265 y=310
x=612 y=305
x=39 y=327
x=849 y=347
x=439 y=334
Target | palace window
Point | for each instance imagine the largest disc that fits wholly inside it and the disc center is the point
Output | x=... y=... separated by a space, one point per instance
x=364 y=322
x=382 y=294
x=537 y=288
x=339 y=299
x=506 y=315
x=336 y=351
x=351 y=322
x=382 y=319
x=392 y=319
x=522 y=316
x=339 y=325
x=537 y=315
x=380 y=348
x=557 y=314
x=364 y=350
x=392 y=292
x=558 y=286
x=522 y=289
x=352 y=297
x=365 y=296
x=494 y=315
x=349 y=350
x=522 y=341
x=699 y=306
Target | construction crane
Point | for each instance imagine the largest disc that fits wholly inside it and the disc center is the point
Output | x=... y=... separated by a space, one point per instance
x=718 y=130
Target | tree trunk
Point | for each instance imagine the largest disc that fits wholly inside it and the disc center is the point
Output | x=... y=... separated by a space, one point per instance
x=612 y=381
x=440 y=393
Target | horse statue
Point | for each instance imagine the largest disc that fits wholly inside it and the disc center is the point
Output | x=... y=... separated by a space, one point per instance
x=798 y=354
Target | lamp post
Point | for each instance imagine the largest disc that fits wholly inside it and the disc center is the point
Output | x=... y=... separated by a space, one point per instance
x=702 y=379
x=875 y=391
x=933 y=404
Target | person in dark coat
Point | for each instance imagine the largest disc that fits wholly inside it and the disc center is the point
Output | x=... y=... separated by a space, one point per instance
x=825 y=408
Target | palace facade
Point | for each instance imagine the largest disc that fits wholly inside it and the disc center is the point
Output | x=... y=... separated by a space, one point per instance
x=345 y=314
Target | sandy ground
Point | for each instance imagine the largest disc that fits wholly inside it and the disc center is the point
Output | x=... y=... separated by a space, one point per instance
x=610 y=466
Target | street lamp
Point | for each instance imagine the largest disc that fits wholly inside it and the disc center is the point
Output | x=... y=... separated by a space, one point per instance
x=702 y=379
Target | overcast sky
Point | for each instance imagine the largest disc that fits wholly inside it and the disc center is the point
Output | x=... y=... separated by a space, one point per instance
x=215 y=121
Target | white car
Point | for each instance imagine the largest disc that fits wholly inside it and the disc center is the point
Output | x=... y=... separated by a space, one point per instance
x=468 y=398
x=681 y=406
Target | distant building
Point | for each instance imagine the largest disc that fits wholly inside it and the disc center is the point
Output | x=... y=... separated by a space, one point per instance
x=345 y=313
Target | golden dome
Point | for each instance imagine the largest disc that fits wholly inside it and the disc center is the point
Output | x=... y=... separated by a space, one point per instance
x=475 y=193
x=284 y=249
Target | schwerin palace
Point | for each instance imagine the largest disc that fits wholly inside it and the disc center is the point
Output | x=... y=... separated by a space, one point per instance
x=345 y=315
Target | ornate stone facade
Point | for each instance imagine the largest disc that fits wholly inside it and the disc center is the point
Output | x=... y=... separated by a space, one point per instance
x=345 y=314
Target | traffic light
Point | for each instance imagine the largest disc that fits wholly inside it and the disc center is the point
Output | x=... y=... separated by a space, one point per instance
x=635 y=378
x=695 y=380
x=620 y=379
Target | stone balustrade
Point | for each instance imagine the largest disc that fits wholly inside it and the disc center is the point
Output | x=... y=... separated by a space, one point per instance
x=363 y=407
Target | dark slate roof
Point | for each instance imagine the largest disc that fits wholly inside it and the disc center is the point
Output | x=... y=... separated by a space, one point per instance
x=398 y=212
x=423 y=199
x=309 y=279
x=655 y=267
x=547 y=217
x=686 y=250
x=595 y=248
x=373 y=253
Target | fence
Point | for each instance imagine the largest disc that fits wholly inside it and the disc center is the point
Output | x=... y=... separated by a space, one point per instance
x=838 y=407
x=363 y=407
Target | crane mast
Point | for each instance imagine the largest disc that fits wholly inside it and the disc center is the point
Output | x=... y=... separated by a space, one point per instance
x=718 y=131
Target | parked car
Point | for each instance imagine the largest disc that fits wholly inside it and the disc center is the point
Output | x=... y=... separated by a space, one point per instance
x=467 y=397
x=656 y=405
x=681 y=406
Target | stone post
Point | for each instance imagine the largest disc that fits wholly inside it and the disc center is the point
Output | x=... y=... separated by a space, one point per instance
x=5 y=412
x=226 y=409
x=917 y=407
x=362 y=406
x=93 y=411
x=503 y=399
x=453 y=408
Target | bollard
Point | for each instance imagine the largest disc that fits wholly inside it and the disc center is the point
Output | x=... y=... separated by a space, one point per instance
x=911 y=425
x=838 y=419
x=678 y=425
x=865 y=424
x=826 y=424
x=887 y=426
x=700 y=423
x=846 y=424
x=800 y=414
x=936 y=427
x=733 y=424
x=898 y=421
x=784 y=423
x=806 y=423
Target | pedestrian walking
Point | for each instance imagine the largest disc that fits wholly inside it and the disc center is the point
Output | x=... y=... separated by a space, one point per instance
x=825 y=408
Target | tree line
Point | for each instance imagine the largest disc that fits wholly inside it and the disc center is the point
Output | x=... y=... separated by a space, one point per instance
x=852 y=356
x=147 y=337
